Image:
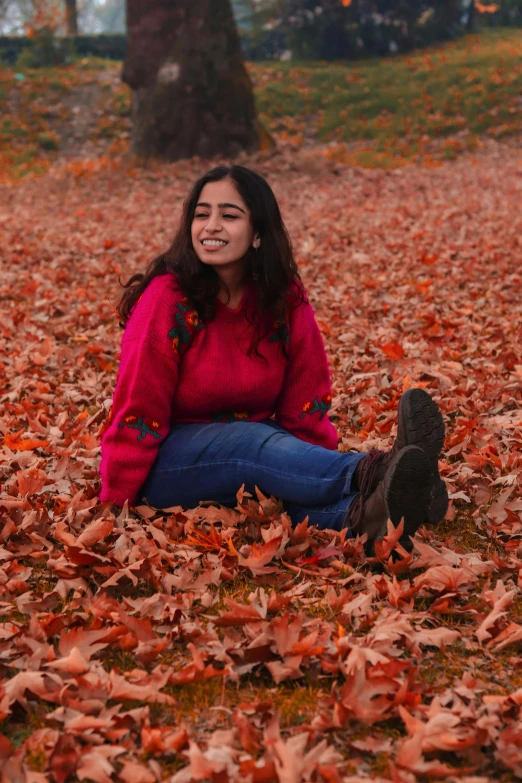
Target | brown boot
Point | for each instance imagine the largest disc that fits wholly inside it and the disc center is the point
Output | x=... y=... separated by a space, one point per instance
x=402 y=493
x=419 y=424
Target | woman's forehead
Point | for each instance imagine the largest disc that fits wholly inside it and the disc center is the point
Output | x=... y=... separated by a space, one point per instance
x=221 y=192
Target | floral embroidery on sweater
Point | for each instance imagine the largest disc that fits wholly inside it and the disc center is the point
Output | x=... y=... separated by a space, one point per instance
x=143 y=426
x=323 y=405
x=187 y=321
x=227 y=418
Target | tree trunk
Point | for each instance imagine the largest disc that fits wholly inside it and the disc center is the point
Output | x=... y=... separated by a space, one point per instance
x=191 y=91
x=71 y=17
x=452 y=10
x=470 y=25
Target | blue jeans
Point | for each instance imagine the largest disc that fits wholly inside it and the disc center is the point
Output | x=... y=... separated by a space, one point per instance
x=198 y=462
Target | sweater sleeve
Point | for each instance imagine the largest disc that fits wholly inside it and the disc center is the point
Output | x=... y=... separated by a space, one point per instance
x=141 y=408
x=306 y=396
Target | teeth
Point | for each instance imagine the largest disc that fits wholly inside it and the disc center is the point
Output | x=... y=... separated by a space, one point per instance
x=214 y=242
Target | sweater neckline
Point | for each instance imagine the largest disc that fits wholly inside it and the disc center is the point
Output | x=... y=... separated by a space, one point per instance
x=231 y=313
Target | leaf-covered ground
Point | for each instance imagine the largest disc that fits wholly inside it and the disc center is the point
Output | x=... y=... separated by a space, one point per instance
x=222 y=645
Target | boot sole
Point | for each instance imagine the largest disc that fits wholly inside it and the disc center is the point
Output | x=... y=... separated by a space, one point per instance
x=407 y=487
x=421 y=424
x=439 y=502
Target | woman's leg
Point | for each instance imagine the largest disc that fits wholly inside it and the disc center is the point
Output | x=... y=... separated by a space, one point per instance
x=362 y=491
x=200 y=462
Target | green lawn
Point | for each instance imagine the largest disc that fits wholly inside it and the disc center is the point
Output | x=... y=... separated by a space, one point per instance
x=426 y=106
x=400 y=105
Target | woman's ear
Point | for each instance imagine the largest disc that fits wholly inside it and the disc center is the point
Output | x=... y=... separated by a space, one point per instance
x=256 y=243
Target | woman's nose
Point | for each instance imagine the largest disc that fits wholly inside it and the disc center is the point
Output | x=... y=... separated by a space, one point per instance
x=214 y=223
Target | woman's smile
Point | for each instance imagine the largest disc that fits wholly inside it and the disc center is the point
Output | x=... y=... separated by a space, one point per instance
x=212 y=245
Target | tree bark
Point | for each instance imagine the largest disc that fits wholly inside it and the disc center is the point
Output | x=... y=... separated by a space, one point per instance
x=452 y=10
x=71 y=17
x=191 y=92
x=470 y=25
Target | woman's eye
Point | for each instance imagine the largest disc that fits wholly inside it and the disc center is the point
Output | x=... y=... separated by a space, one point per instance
x=205 y=215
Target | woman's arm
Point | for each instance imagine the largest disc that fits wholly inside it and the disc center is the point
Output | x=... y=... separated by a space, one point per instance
x=302 y=407
x=141 y=408
x=139 y=421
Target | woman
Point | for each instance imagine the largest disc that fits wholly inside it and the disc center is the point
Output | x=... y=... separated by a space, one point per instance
x=219 y=338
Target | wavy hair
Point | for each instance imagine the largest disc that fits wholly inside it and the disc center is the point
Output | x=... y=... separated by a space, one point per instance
x=200 y=282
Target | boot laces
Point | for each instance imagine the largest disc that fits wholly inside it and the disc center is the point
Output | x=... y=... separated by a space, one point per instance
x=368 y=470
x=367 y=481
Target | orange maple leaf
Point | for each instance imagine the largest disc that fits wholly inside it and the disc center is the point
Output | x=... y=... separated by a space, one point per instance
x=393 y=350
x=15 y=442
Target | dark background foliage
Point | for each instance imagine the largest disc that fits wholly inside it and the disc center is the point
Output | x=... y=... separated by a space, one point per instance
x=316 y=29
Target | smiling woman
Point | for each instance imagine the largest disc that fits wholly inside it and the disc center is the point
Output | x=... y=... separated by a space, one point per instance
x=222 y=235
x=224 y=381
x=235 y=205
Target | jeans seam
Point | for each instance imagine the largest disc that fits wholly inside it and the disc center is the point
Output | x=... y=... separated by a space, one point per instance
x=241 y=462
x=348 y=499
x=318 y=510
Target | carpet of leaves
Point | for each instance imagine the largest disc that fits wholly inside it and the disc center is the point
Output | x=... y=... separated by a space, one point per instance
x=221 y=644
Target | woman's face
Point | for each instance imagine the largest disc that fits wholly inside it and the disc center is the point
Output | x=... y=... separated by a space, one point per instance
x=222 y=231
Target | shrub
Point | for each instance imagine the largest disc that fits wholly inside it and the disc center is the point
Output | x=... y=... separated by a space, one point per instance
x=52 y=49
x=45 y=49
x=49 y=141
x=109 y=47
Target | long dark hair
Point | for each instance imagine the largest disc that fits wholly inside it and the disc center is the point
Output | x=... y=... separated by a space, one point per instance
x=201 y=284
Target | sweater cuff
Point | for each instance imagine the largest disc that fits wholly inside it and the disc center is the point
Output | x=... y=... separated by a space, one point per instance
x=118 y=495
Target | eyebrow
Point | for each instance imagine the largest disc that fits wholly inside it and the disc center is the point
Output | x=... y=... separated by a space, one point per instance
x=221 y=206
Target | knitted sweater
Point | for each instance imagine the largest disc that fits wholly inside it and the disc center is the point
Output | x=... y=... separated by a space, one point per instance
x=174 y=369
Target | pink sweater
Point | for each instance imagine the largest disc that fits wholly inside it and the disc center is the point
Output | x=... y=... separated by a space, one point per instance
x=176 y=369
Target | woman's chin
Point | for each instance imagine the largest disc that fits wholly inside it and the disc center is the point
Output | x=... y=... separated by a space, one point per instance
x=215 y=260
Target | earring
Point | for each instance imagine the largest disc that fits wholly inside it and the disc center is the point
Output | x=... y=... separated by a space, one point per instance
x=255 y=266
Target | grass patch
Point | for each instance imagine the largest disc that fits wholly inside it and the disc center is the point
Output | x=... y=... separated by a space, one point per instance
x=462 y=534
x=429 y=106
x=22 y=724
x=37 y=111
x=41 y=580
x=49 y=141
x=296 y=702
x=121 y=660
x=399 y=105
